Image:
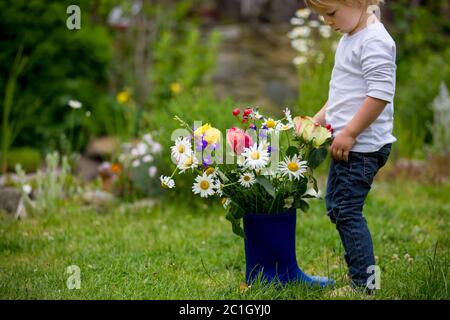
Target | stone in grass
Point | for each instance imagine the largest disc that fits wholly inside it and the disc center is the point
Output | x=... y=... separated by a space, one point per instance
x=99 y=198
x=11 y=202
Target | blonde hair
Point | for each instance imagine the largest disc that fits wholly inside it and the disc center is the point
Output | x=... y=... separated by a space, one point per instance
x=316 y=5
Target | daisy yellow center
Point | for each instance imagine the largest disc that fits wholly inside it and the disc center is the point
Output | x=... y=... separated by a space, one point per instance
x=188 y=162
x=246 y=178
x=204 y=185
x=224 y=200
x=293 y=166
x=254 y=155
x=270 y=123
x=209 y=171
x=181 y=148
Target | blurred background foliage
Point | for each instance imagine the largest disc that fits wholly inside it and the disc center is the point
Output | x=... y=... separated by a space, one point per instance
x=133 y=65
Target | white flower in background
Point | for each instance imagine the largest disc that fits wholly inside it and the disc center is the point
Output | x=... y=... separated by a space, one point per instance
x=320 y=57
x=27 y=188
x=135 y=152
x=314 y=24
x=141 y=149
x=182 y=149
x=156 y=147
x=334 y=45
x=204 y=185
x=325 y=31
x=303 y=32
x=148 y=138
x=136 y=163
x=292 y=167
x=301 y=45
x=167 y=182
x=148 y=158
x=297 y=21
x=256 y=157
x=190 y=162
x=152 y=171
x=247 y=179
x=303 y=13
x=75 y=104
x=298 y=61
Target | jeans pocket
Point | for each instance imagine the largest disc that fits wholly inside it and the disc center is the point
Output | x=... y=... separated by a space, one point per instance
x=383 y=155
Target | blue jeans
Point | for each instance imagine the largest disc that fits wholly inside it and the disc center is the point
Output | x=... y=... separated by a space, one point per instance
x=347 y=188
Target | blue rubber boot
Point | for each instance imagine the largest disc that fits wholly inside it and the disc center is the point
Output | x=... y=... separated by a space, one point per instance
x=270 y=250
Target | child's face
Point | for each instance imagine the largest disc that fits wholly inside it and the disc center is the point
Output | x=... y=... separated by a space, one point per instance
x=341 y=17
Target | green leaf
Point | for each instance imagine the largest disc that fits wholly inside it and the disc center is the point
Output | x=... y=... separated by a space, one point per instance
x=300 y=187
x=263 y=181
x=301 y=204
x=235 y=224
x=291 y=151
x=317 y=156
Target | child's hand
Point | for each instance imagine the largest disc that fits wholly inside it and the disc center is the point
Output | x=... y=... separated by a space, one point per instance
x=341 y=146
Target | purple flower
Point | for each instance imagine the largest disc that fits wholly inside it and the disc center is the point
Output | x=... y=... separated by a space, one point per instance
x=207 y=161
x=204 y=144
x=253 y=126
x=264 y=127
x=214 y=146
x=269 y=149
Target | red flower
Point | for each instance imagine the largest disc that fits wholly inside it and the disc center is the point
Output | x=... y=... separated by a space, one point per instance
x=247 y=112
x=236 y=112
x=238 y=140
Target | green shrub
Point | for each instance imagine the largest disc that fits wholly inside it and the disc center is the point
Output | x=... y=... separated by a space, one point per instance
x=62 y=65
x=28 y=158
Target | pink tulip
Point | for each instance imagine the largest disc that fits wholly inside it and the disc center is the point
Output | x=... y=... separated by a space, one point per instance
x=238 y=140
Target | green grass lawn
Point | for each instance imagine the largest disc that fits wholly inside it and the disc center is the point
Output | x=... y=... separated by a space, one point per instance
x=172 y=251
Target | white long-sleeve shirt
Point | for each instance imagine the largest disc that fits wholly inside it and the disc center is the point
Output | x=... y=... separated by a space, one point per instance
x=364 y=66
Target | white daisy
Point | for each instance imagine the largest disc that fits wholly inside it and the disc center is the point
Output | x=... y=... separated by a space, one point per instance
x=288 y=115
x=182 y=149
x=204 y=185
x=190 y=162
x=226 y=202
x=247 y=179
x=292 y=167
x=270 y=124
x=255 y=114
x=75 y=104
x=256 y=157
x=167 y=182
x=284 y=126
x=218 y=187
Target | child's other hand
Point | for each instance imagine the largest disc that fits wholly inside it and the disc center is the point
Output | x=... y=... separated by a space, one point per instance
x=341 y=146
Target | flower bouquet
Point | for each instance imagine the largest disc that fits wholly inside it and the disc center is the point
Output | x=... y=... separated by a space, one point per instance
x=262 y=176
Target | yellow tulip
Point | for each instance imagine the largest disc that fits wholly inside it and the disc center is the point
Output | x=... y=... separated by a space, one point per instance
x=212 y=135
x=202 y=129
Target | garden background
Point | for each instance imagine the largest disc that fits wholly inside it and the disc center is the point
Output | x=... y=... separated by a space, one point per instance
x=79 y=104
